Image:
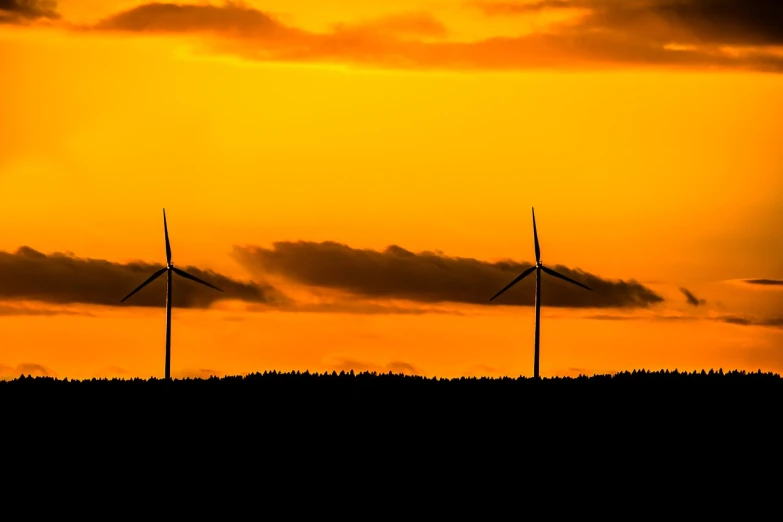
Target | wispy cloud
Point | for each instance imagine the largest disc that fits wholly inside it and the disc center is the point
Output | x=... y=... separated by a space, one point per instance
x=764 y=282
x=737 y=319
x=112 y=371
x=32 y=369
x=353 y=306
x=399 y=367
x=692 y=299
x=9 y=310
x=482 y=370
x=410 y=24
x=199 y=373
x=775 y=322
x=507 y=8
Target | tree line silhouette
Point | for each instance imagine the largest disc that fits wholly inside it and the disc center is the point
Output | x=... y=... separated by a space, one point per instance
x=378 y=378
x=278 y=391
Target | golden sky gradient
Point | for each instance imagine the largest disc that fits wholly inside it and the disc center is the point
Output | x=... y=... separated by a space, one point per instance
x=647 y=140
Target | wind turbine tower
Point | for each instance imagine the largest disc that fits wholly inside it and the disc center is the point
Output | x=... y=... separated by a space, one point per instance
x=538 y=267
x=170 y=270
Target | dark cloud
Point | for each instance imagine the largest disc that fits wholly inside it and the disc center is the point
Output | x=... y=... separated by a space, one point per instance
x=692 y=299
x=741 y=22
x=612 y=34
x=766 y=282
x=659 y=31
x=727 y=22
x=61 y=278
x=234 y=19
x=230 y=20
x=19 y=11
x=432 y=277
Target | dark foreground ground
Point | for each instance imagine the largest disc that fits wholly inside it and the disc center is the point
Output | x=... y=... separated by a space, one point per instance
x=666 y=430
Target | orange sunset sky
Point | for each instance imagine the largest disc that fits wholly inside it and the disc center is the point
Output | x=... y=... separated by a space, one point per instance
x=358 y=178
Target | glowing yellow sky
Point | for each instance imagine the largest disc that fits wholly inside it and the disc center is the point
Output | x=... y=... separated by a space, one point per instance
x=671 y=178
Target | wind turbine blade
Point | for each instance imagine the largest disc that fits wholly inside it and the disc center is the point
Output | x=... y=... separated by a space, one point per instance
x=535 y=237
x=194 y=278
x=168 y=245
x=561 y=276
x=515 y=281
x=145 y=283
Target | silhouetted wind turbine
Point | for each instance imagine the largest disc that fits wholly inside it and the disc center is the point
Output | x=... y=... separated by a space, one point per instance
x=169 y=269
x=538 y=267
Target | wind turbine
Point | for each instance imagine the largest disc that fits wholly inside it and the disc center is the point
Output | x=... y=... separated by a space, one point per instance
x=538 y=267
x=170 y=271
